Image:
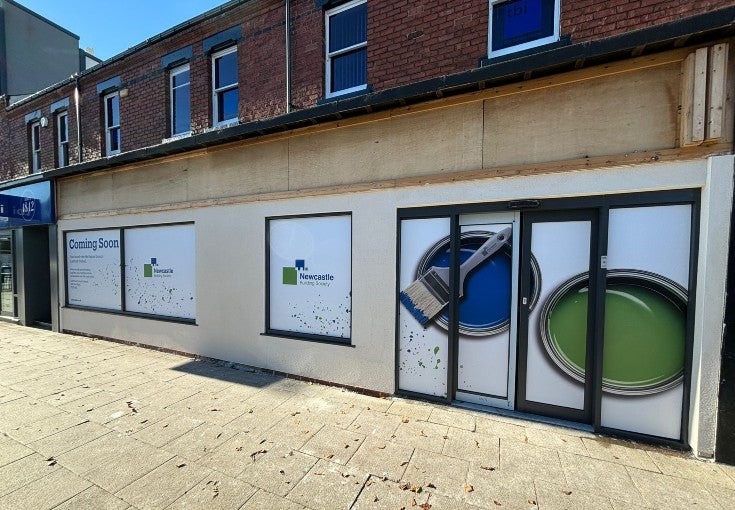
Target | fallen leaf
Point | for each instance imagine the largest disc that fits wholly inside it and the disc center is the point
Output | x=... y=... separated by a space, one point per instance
x=415 y=488
x=319 y=474
x=531 y=502
x=238 y=449
x=215 y=409
x=381 y=447
x=250 y=412
x=51 y=461
x=422 y=434
x=295 y=413
x=430 y=485
x=255 y=454
x=368 y=483
x=282 y=471
x=468 y=488
x=487 y=468
x=497 y=503
x=375 y=498
x=181 y=465
x=345 y=475
x=218 y=435
x=346 y=445
x=405 y=420
x=425 y=506
x=404 y=463
x=445 y=437
x=413 y=502
x=477 y=443
x=330 y=455
x=567 y=492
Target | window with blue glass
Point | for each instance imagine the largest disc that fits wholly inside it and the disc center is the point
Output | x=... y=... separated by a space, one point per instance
x=180 y=101
x=517 y=25
x=224 y=86
x=346 y=33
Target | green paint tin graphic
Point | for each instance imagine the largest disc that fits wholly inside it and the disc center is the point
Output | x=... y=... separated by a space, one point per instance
x=644 y=334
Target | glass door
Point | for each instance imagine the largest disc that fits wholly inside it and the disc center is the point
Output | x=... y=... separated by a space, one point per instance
x=556 y=335
x=7 y=275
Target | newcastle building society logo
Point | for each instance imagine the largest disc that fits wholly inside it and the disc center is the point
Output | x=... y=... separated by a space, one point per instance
x=299 y=274
x=152 y=269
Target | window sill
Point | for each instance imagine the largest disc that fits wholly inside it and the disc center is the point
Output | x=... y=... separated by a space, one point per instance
x=176 y=137
x=347 y=95
x=344 y=342
x=224 y=124
x=490 y=60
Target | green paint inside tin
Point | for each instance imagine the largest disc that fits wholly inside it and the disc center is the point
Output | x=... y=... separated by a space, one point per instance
x=645 y=334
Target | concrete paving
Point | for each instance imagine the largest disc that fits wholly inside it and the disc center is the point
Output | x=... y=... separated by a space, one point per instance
x=88 y=424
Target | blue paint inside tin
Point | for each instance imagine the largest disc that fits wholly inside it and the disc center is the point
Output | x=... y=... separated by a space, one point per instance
x=487 y=289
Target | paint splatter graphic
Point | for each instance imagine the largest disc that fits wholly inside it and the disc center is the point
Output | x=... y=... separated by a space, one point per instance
x=322 y=318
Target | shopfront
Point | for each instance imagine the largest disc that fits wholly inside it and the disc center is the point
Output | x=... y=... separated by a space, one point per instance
x=583 y=313
x=26 y=233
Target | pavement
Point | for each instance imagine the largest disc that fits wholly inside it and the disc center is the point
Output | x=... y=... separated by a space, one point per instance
x=94 y=424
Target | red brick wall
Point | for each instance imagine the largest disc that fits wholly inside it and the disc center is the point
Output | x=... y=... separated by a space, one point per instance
x=408 y=41
x=15 y=135
x=587 y=20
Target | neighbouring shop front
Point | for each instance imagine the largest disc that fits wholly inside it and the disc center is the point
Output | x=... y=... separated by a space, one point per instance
x=26 y=233
x=584 y=312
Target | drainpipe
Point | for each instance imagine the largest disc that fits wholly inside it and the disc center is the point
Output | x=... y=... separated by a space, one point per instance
x=288 y=56
x=79 y=120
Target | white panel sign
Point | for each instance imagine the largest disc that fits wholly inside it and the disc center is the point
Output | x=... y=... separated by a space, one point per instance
x=311 y=275
x=160 y=271
x=93 y=269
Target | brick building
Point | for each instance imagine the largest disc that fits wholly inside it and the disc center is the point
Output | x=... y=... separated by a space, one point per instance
x=236 y=190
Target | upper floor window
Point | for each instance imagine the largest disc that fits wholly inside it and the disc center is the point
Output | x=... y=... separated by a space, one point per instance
x=346 y=33
x=517 y=25
x=112 y=123
x=62 y=139
x=180 y=101
x=35 y=128
x=224 y=86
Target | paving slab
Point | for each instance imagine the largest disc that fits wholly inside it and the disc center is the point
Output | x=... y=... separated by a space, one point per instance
x=619 y=452
x=493 y=488
x=11 y=450
x=678 y=465
x=264 y=499
x=659 y=490
x=609 y=479
x=334 y=444
x=69 y=438
x=23 y=471
x=421 y=434
x=278 y=469
x=113 y=461
x=381 y=458
x=164 y=485
x=328 y=486
x=93 y=498
x=167 y=429
x=437 y=473
x=47 y=492
x=472 y=446
x=215 y=492
x=529 y=461
x=553 y=495
x=408 y=409
x=199 y=441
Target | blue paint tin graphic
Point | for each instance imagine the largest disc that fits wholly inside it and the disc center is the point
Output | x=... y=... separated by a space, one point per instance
x=485 y=307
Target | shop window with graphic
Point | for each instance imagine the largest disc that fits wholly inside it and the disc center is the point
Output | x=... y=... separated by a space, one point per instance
x=93 y=269
x=160 y=271
x=309 y=291
x=517 y=25
x=156 y=276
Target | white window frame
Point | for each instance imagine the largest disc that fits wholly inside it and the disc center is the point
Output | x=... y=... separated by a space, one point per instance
x=217 y=91
x=109 y=128
x=61 y=143
x=520 y=47
x=35 y=146
x=174 y=72
x=330 y=56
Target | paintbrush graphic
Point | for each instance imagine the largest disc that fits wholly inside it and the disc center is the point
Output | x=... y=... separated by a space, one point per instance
x=428 y=295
